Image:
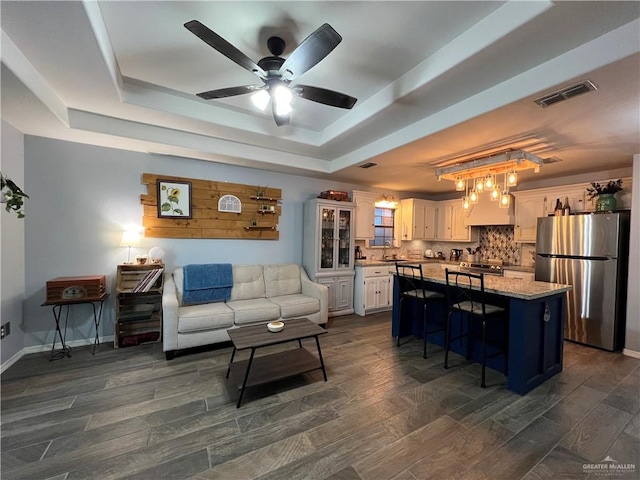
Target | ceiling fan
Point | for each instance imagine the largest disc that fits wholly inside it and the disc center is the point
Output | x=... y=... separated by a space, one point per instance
x=276 y=72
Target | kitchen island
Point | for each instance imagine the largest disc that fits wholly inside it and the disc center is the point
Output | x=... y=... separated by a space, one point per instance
x=536 y=316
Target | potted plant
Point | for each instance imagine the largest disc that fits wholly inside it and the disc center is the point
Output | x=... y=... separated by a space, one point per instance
x=606 y=201
x=11 y=195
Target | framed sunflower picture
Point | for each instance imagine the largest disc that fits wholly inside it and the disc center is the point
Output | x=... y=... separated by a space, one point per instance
x=174 y=199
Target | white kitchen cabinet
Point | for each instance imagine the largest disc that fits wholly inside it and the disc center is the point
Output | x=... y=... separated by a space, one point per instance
x=340 y=294
x=576 y=197
x=529 y=207
x=327 y=250
x=418 y=219
x=365 y=214
x=528 y=276
x=450 y=223
x=373 y=289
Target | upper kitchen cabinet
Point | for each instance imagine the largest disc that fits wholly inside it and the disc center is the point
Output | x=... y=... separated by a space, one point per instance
x=575 y=195
x=418 y=219
x=365 y=212
x=529 y=206
x=451 y=223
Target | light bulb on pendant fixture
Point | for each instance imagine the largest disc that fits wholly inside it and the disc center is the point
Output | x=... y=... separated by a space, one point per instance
x=479 y=185
x=473 y=196
x=512 y=178
x=494 y=195
x=489 y=183
x=466 y=204
x=505 y=199
x=261 y=99
x=460 y=184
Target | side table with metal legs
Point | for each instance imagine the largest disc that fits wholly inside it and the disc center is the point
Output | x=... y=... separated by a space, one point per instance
x=65 y=350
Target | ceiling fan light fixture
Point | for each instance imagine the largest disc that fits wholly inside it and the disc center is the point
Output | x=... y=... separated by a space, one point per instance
x=261 y=99
x=282 y=97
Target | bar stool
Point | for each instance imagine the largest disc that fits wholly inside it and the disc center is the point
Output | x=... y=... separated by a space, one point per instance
x=411 y=285
x=460 y=299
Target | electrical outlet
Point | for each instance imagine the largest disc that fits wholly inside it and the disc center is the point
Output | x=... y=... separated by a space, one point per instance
x=5 y=330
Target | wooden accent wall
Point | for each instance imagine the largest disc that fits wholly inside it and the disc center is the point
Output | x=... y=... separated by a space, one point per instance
x=207 y=221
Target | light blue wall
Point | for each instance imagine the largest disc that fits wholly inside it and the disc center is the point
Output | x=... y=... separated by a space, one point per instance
x=12 y=246
x=83 y=196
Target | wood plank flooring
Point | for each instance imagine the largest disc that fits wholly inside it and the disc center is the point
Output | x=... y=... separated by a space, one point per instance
x=384 y=413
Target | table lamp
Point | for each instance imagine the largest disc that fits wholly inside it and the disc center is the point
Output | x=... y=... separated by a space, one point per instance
x=130 y=238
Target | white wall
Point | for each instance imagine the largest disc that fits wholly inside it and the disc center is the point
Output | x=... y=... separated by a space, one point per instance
x=12 y=231
x=632 y=338
x=83 y=196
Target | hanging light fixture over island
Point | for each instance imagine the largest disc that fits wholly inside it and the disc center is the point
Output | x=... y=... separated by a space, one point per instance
x=483 y=174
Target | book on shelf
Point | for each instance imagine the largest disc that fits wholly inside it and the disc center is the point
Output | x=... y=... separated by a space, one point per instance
x=146 y=283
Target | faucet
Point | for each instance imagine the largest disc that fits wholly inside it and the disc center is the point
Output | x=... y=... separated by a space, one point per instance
x=384 y=249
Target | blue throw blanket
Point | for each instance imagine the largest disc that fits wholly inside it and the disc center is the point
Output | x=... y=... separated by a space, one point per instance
x=207 y=283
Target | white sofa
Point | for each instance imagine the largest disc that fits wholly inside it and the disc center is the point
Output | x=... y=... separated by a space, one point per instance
x=260 y=294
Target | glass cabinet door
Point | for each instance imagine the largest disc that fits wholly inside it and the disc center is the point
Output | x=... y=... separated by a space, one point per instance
x=327 y=240
x=344 y=244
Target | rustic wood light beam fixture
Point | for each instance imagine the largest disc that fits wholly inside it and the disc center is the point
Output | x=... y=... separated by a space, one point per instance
x=508 y=162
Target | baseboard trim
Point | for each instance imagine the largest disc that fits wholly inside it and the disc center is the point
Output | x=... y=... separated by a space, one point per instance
x=630 y=353
x=47 y=347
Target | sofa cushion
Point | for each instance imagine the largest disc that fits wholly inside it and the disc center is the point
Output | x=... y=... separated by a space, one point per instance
x=297 y=305
x=282 y=280
x=248 y=282
x=194 y=318
x=254 y=310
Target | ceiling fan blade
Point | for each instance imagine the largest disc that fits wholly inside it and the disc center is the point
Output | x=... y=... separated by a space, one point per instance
x=281 y=120
x=327 y=97
x=312 y=49
x=221 y=45
x=228 y=92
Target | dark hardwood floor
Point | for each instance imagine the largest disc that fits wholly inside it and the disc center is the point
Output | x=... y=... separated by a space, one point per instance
x=385 y=413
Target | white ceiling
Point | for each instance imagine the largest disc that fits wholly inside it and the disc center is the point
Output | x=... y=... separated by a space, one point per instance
x=434 y=81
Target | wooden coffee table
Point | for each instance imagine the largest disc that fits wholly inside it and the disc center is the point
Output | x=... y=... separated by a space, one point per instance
x=268 y=368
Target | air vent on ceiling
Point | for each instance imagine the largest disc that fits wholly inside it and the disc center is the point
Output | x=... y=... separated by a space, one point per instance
x=566 y=93
x=368 y=165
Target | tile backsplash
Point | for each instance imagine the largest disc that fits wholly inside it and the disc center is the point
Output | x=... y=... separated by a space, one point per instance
x=494 y=242
x=497 y=241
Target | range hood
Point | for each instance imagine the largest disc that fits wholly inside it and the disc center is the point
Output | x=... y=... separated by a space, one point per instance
x=486 y=212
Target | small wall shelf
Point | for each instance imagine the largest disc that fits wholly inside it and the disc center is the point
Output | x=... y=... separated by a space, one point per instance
x=256 y=227
x=269 y=199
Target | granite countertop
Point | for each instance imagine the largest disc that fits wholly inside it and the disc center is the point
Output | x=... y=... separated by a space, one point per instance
x=378 y=263
x=436 y=261
x=510 y=287
x=520 y=268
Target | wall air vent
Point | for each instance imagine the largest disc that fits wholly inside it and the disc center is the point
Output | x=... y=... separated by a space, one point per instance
x=368 y=165
x=565 y=93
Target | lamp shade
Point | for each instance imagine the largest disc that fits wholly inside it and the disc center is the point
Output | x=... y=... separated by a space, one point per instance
x=130 y=238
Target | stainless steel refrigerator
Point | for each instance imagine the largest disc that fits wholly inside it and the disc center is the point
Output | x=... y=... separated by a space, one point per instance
x=589 y=252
